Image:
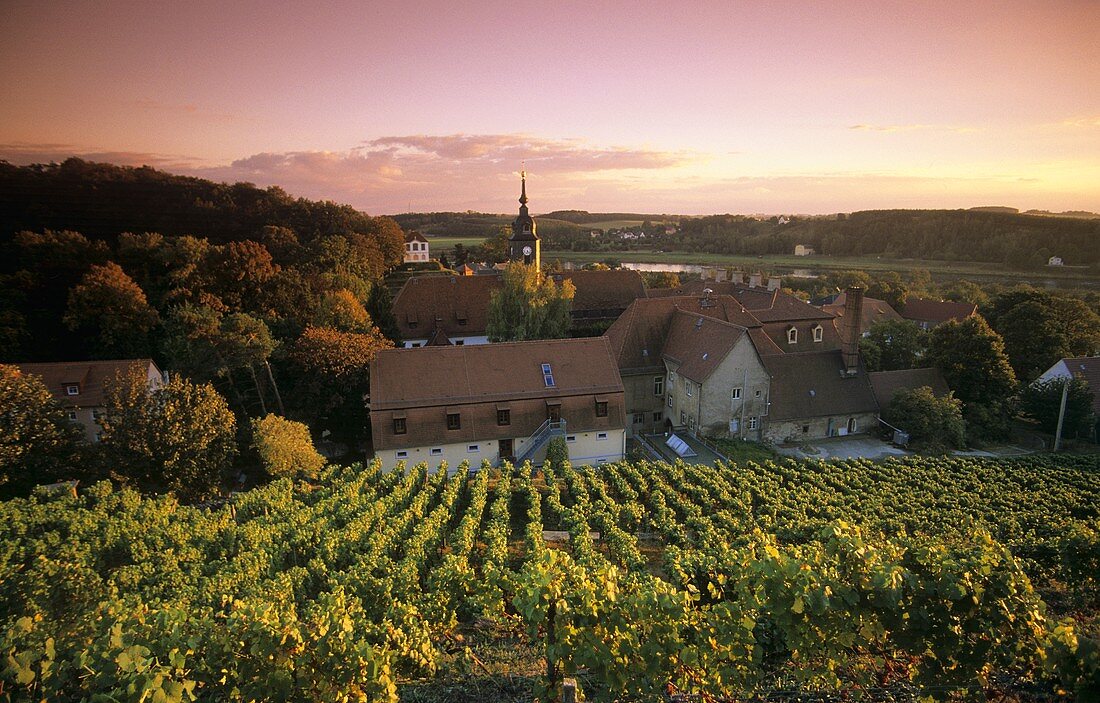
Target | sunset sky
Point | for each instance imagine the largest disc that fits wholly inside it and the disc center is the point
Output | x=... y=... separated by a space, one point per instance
x=678 y=107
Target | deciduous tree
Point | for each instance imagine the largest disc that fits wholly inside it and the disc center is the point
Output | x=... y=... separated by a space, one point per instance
x=892 y=345
x=1042 y=402
x=38 y=443
x=529 y=305
x=180 y=436
x=285 y=447
x=111 y=310
x=934 y=424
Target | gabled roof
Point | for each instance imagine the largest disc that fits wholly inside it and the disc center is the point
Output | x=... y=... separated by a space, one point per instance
x=937 y=311
x=415 y=237
x=1088 y=368
x=886 y=383
x=459 y=305
x=89 y=375
x=438 y=339
x=603 y=290
x=813 y=384
x=699 y=343
x=874 y=310
x=432 y=376
x=638 y=337
x=766 y=305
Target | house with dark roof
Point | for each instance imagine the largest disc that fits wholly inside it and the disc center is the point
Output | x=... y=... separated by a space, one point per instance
x=816 y=395
x=80 y=386
x=874 y=310
x=1086 y=368
x=459 y=305
x=886 y=384
x=929 y=313
x=416 y=247
x=497 y=402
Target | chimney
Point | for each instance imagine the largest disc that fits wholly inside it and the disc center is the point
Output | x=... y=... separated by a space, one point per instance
x=721 y=275
x=774 y=283
x=737 y=277
x=852 y=324
x=756 y=280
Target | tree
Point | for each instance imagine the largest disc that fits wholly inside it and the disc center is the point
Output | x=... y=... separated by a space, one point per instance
x=333 y=375
x=285 y=447
x=237 y=273
x=341 y=310
x=112 y=311
x=889 y=286
x=1041 y=328
x=38 y=443
x=180 y=436
x=935 y=425
x=892 y=345
x=973 y=361
x=661 y=279
x=529 y=305
x=1042 y=402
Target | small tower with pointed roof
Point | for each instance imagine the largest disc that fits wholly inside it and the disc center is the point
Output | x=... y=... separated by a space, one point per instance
x=523 y=245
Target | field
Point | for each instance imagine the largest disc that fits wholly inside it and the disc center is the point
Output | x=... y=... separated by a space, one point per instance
x=761 y=579
x=437 y=244
x=771 y=262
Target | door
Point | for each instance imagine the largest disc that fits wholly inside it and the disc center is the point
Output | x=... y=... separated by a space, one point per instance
x=506 y=449
x=553 y=413
x=851 y=425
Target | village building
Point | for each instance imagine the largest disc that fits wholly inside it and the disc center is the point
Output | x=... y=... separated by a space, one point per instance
x=874 y=311
x=803 y=250
x=886 y=384
x=930 y=313
x=1055 y=261
x=524 y=244
x=498 y=402
x=79 y=386
x=1086 y=368
x=416 y=248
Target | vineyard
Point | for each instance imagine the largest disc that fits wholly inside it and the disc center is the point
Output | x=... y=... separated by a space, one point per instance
x=912 y=578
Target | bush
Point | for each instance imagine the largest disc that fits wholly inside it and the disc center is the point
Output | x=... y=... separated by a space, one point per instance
x=285 y=447
x=934 y=424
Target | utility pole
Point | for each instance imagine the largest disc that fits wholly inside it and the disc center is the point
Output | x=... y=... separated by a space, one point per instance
x=1061 y=415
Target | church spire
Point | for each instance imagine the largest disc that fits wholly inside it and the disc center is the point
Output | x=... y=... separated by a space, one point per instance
x=523 y=191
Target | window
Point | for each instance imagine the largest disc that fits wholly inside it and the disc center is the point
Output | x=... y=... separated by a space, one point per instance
x=757 y=394
x=97 y=414
x=399 y=425
x=72 y=389
x=735 y=394
x=72 y=414
x=752 y=423
x=460 y=342
x=670 y=401
x=805 y=429
x=792 y=336
x=454 y=422
x=691 y=422
x=504 y=417
x=657 y=416
x=601 y=435
x=639 y=418
x=436 y=451
x=683 y=418
x=818 y=333
x=687 y=387
x=658 y=385
x=571 y=438
x=402 y=454
x=547 y=376
x=601 y=408
x=473 y=448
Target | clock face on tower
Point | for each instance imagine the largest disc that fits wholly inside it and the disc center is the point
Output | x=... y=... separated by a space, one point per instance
x=527 y=251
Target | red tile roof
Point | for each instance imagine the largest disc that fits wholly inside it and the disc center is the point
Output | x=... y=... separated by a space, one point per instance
x=415 y=237
x=874 y=310
x=936 y=311
x=459 y=305
x=699 y=343
x=89 y=375
x=475 y=381
x=886 y=383
x=814 y=385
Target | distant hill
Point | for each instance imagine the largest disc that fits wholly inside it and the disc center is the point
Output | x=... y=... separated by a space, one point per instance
x=995 y=208
x=102 y=201
x=1078 y=214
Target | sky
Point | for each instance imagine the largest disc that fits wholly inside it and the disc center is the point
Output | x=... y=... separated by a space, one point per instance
x=659 y=107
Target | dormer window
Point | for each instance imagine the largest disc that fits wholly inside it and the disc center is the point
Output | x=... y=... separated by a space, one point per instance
x=72 y=389
x=792 y=336
x=818 y=333
x=454 y=422
x=601 y=407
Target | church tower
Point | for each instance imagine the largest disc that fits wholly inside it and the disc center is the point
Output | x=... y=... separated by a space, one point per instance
x=523 y=245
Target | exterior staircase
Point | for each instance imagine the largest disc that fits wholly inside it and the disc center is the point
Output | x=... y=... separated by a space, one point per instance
x=548 y=429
